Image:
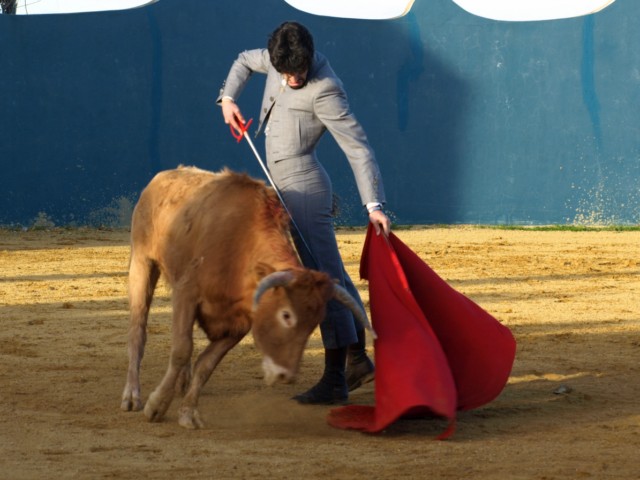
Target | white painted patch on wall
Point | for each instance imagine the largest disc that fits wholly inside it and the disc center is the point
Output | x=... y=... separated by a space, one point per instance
x=39 y=7
x=504 y=10
x=362 y=9
x=532 y=10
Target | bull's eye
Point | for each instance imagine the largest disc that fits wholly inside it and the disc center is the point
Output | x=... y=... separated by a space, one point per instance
x=287 y=318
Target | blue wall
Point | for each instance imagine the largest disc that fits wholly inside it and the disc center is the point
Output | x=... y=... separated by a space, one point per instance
x=473 y=121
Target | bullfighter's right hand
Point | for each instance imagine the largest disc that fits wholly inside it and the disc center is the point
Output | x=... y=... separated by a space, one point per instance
x=232 y=115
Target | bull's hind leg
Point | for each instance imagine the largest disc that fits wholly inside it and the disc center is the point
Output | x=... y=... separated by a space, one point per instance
x=143 y=277
x=188 y=415
x=181 y=350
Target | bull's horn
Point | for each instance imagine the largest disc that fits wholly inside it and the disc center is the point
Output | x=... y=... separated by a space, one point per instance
x=344 y=297
x=275 y=279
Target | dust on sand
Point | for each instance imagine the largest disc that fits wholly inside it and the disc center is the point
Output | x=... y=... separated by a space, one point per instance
x=570 y=409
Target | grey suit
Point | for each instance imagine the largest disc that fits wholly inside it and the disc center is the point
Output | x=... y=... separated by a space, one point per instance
x=293 y=121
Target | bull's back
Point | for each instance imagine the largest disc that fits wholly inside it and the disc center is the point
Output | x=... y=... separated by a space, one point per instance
x=188 y=212
x=161 y=202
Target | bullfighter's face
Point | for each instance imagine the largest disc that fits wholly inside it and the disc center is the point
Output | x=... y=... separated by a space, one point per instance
x=296 y=80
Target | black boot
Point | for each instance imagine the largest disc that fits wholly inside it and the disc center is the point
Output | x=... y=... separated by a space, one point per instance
x=360 y=369
x=332 y=387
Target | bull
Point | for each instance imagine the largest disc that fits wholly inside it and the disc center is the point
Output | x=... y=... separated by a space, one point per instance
x=222 y=242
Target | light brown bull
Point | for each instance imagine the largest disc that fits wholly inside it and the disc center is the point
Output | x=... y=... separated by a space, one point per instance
x=222 y=242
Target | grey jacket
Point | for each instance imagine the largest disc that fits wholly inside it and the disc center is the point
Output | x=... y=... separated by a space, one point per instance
x=297 y=118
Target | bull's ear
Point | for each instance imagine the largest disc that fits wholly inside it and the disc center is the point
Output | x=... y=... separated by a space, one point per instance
x=262 y=270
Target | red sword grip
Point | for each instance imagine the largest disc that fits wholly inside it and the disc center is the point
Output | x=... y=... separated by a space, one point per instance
x=243 y=128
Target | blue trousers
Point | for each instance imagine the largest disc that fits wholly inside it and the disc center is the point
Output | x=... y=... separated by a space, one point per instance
x=308 y=195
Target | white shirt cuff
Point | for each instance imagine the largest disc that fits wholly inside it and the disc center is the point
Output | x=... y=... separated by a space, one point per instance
x=373 y=206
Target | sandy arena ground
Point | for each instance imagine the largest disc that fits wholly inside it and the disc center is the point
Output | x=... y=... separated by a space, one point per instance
x=570 y=298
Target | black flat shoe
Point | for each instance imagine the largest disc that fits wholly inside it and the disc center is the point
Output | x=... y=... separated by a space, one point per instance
x=322 y=394
x=360 y=373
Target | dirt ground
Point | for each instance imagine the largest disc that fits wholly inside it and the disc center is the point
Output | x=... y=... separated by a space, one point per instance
x=570 y=298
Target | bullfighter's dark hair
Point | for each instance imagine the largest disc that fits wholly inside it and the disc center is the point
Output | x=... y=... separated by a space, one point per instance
x=291 y=48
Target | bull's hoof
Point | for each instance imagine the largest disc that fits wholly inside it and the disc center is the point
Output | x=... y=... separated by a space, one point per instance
x=131 y=404
x=131 y=400
x=189 y=418
x=152 y=414
x=155 y=409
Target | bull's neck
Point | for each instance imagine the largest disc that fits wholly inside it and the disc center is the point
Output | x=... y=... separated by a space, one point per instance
x=278 y=252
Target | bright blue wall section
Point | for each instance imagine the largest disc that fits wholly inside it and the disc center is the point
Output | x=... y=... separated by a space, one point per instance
x=473 y=121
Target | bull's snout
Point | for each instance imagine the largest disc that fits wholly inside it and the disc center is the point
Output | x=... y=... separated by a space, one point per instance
x=276 y=373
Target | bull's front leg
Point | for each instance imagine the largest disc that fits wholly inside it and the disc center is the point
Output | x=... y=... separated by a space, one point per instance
x=181 y=351
x=188 y=415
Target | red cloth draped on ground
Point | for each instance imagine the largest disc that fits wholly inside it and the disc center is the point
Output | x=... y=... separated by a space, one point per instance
x=436 y=352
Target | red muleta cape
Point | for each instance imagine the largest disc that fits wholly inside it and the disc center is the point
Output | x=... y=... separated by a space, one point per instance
x=437 y=351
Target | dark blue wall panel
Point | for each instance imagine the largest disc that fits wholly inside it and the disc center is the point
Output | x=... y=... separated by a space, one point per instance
x=473 y=121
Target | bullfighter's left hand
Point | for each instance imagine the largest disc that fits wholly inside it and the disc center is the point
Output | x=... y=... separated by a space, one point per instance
x=380 y=222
